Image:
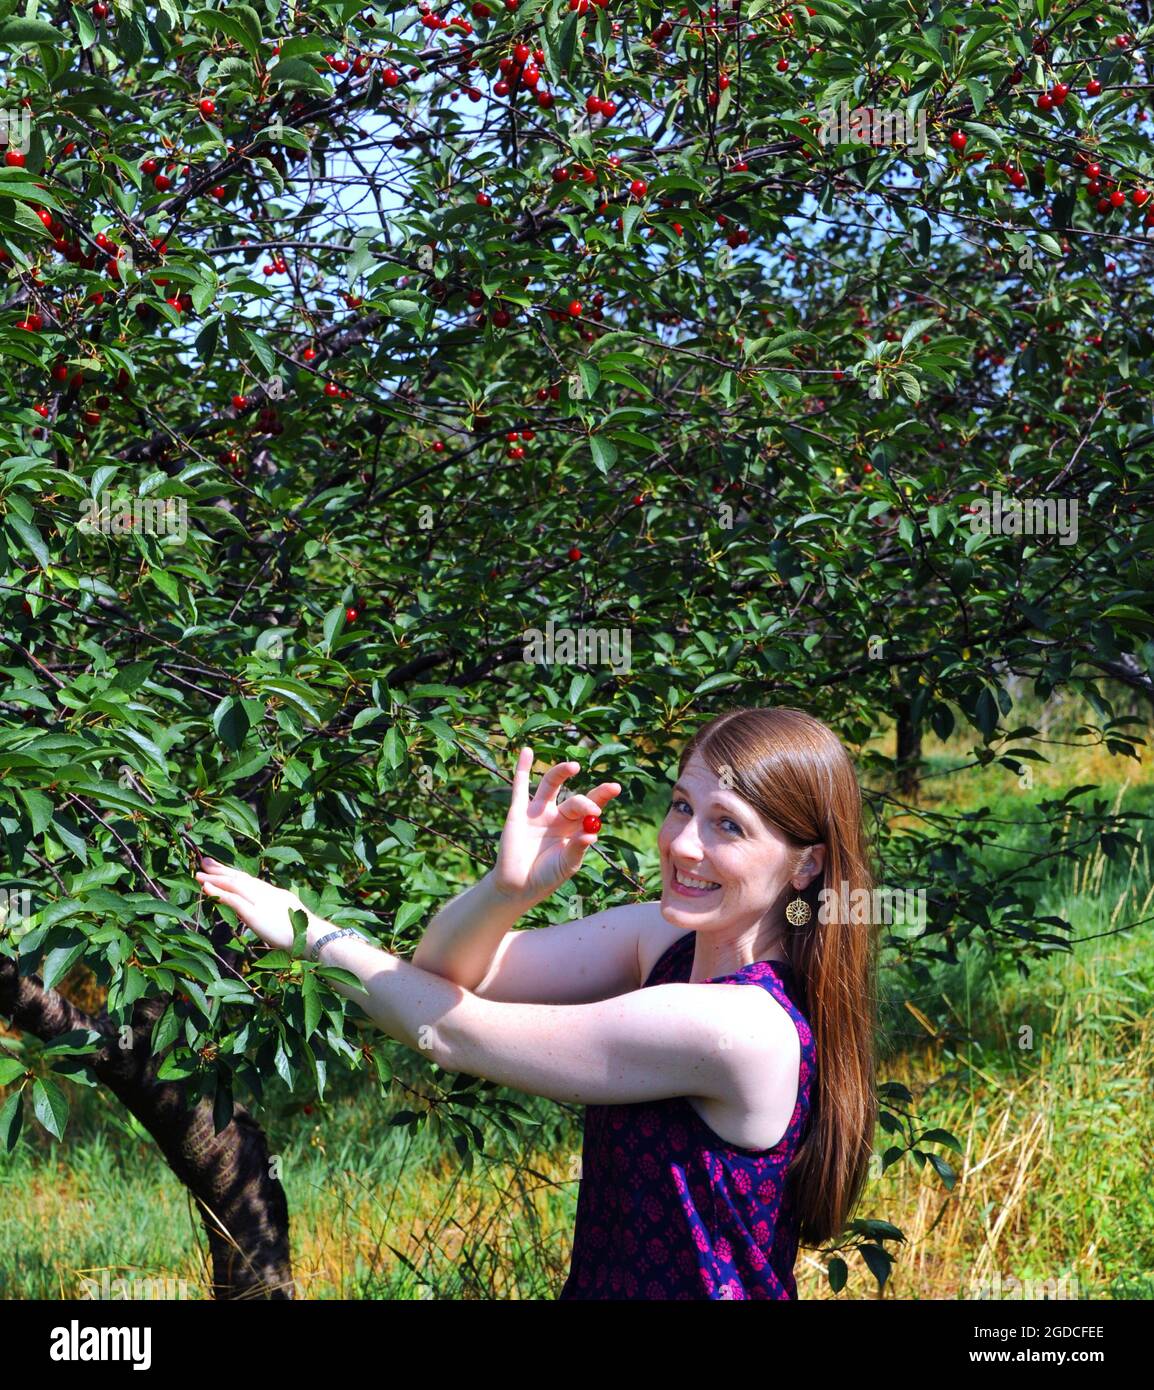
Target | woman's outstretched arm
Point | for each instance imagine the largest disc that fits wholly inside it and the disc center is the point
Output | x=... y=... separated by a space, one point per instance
x=669 y=1040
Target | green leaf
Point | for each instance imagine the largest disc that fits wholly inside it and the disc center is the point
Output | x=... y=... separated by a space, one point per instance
x=228 y=22
x=230 y=720
x=311 y=999
x=295 y=72
x=40 y=809
x=603 y=451
x=31 y=538
x=14 y=32
x=590 y=378
x=10 y=1070
x=50 y=1106
x=11 y=1119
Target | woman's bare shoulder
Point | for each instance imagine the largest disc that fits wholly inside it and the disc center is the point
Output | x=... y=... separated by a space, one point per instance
x=654 y=938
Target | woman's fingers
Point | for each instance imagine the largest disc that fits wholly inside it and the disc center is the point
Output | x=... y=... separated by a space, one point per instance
x=223 y=879
x=577 y=806
x=519 y=801
x=592 y=803
x=241 y=906
x=551 y=783
x=236 y=877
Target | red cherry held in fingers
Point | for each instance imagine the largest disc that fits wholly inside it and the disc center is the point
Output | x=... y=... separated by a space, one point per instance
x=591 y=825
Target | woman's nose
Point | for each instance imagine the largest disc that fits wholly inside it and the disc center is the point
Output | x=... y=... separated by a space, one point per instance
x=685 y=843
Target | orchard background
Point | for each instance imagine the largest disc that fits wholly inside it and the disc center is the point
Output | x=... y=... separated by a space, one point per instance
x=434 y=326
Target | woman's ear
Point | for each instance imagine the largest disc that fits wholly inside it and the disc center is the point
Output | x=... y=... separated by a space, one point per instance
x=811 y=866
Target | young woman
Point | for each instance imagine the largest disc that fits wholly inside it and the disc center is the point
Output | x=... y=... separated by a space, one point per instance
x=724 y=1125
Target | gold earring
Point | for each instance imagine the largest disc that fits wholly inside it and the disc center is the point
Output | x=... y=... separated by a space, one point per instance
x=797 y=913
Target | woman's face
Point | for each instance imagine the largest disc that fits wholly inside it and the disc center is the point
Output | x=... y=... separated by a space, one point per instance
x=711 y=834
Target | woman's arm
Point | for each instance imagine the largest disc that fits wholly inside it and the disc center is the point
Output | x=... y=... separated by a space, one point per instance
x=461 y=940
x=649 y=1044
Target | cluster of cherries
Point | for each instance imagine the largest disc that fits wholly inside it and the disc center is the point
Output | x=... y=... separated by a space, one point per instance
x=522 y=70
x=1097 y=184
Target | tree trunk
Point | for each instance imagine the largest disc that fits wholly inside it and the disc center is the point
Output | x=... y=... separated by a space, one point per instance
x=909 y=750
x=242 y=1204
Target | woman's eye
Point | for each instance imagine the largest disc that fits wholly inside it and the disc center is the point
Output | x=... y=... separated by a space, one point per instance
x=731 y=826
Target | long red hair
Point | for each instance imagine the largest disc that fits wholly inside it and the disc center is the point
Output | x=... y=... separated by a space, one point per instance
x=796 y=773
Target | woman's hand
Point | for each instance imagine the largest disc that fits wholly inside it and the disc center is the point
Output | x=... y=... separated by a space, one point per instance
x=259 y=905
x=542 y=844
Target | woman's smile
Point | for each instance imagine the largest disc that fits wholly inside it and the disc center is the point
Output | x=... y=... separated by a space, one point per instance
x=690 y=886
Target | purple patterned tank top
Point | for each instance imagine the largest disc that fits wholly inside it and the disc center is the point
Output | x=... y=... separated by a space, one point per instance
x=667 y=1209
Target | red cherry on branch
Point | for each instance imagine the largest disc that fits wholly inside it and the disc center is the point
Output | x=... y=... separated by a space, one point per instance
x=1093 y=87
x=206 y=107
x=574 y=553
x=958 y=140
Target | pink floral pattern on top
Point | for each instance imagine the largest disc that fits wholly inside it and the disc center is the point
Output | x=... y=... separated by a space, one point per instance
x=667 y=1209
